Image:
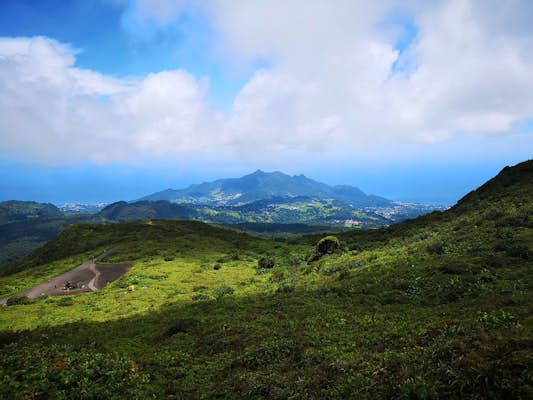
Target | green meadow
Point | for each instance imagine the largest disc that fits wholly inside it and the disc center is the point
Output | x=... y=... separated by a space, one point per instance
x=439 y=307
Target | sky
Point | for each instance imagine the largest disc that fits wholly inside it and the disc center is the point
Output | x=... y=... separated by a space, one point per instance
x=106 y=100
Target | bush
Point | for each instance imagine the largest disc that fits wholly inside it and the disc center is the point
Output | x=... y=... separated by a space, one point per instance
x=513 y=249
x=199 y=297
x=354 y=264
x=457 y=267
x=519 y=251
x=18 y=300
x=435 y=248
x=223 y=291
x=65 y=302
x=266 y=262
x=333 y=269
x=285 y=288
x=293 y=261
x=277 y=275
x=182 y=326
x=326 y=245
x=499 y=318
x=270 y=352
x=131 y=280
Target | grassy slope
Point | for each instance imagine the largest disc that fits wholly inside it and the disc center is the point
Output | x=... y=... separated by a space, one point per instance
x=440 y=306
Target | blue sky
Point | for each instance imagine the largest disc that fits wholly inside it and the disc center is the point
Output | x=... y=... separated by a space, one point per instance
x=102 y=100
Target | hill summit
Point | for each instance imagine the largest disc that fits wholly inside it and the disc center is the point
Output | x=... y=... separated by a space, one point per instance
x=262 y=185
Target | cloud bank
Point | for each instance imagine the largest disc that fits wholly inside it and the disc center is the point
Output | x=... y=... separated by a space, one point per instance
x=337 y=80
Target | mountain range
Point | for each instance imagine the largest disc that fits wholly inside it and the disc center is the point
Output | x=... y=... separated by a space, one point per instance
x=262 y=185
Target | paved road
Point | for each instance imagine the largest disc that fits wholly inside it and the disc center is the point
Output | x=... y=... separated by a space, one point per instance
x=86 y=273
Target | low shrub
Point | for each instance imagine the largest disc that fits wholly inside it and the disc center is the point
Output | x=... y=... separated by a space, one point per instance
x=199 y=297
x=266 y=262
x=293 y=261
x=326 y=245
x=270 y=352
x=18 y=300
x=278 y=275
x=435 y=248
x=457 y=267
x=223 y=291
x=499 y=318
x=285 y=288
x=65 y=302
x=182 y=326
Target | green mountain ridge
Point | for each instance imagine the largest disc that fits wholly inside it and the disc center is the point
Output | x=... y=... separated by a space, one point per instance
x=264 y=185
x=436 y=307
x=17 y=211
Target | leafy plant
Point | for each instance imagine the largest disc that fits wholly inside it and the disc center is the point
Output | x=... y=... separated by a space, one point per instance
x=65 y=302
x=266 y=262
x=223 y=291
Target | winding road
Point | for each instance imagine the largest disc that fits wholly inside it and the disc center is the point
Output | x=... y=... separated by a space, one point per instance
x=91 y=276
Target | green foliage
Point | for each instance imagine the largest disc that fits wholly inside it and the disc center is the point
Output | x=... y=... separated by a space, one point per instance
x=266 y=262
x=65 y=302
x=285 y=288
x=182 y=326
x=498 y=318
x=436 y=247
x=16 y=211
x=130 y=280
x=223 y=291
x=18 y=300
x=416 y=388
x=326 y=245
x=388 y=320
x=278 y=275
x=62 y=372
x=269 y=352
x=199 y=297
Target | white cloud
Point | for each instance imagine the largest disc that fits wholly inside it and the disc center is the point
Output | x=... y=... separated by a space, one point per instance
x=53 y=111
x=330 y=83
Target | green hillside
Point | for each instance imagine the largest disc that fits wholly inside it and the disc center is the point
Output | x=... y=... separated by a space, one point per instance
x=440 y=307
x=26 y=225
x=30 y=225
x=16 y=211
x=276 y=210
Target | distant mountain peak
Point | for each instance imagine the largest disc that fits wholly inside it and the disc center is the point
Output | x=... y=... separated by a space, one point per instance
x=261 y=185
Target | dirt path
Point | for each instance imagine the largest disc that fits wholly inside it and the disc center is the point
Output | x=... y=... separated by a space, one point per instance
x=89 y=276
x=91 y=284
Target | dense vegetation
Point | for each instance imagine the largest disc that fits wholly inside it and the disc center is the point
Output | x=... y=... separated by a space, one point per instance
x=26 y=225
x=276 y=210
x=29 y=225
x=437 y=307
x=16 y=211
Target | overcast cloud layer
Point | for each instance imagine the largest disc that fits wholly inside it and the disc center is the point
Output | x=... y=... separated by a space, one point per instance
x=335 y=81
